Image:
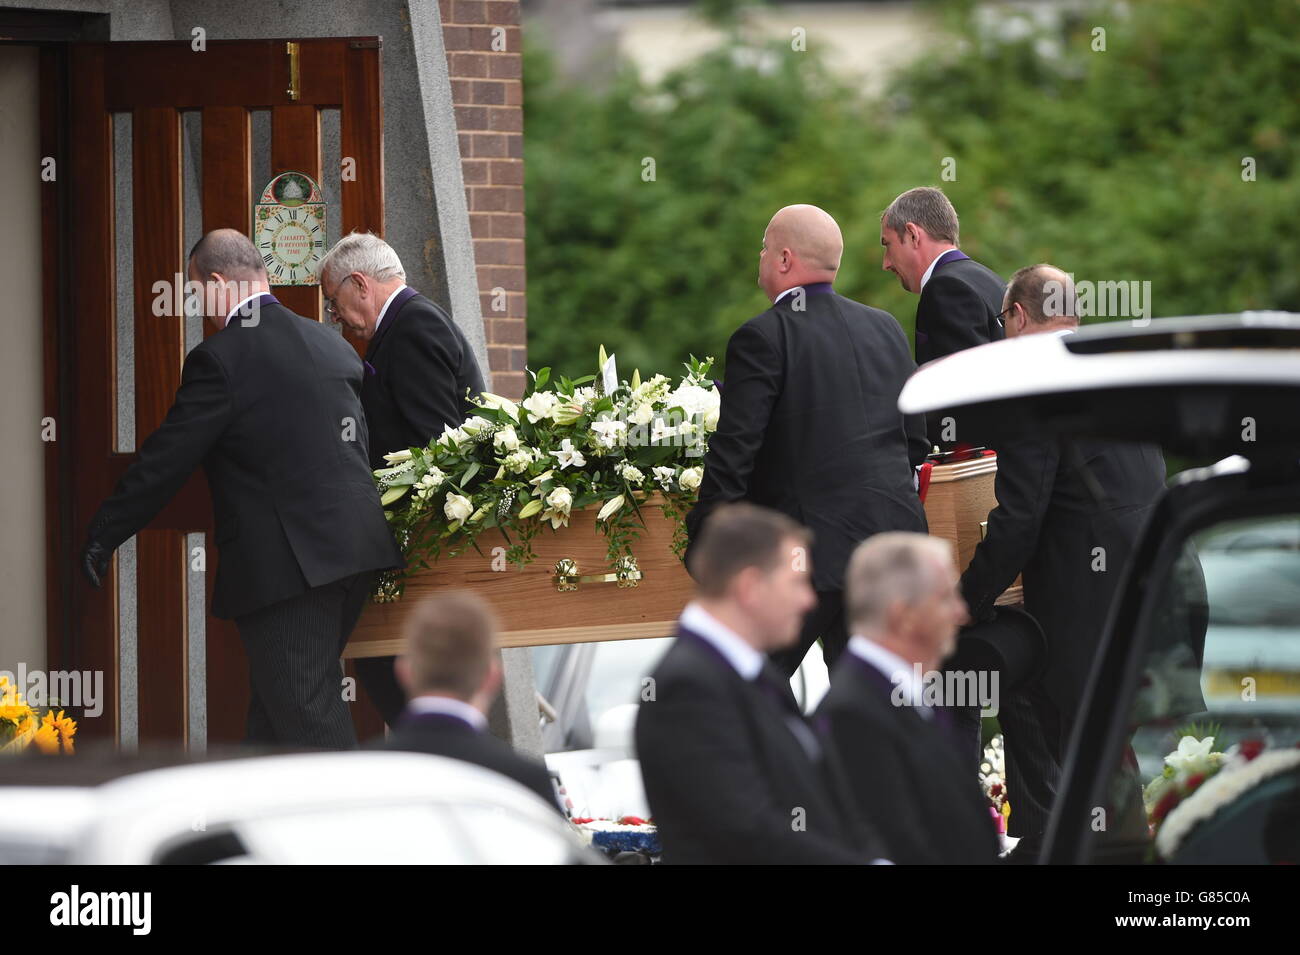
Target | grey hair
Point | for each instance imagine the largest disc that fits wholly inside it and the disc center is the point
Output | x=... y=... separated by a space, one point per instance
x=362 y=252
x=929 y=208
x=897 y=565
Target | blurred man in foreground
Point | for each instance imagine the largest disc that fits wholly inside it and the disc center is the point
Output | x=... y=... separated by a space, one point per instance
x=908 y=775
x=451 y=672
x=733 y=772
x=809 y=423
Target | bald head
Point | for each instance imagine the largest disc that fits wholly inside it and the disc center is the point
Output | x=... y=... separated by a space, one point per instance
x=225 y=269
x=228 y=253
x=1039 y=298
x=802 y=245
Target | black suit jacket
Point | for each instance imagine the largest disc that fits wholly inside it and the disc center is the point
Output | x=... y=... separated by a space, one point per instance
x=906 y=774
x=958 y=309
x=270 y=407
x=421 y=367
x=725 y=774
x=810 y=426
x=1048 y=526
x=445 y=735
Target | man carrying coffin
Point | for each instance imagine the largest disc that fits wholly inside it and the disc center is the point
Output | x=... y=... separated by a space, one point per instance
x=733 y=772
x=270 y=406
x=961 y=300
x=908 y=775
x=419 y=370
x=809 y=423
x=1048 y=526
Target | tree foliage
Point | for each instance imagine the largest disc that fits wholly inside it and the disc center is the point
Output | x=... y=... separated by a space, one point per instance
x=1115 y=164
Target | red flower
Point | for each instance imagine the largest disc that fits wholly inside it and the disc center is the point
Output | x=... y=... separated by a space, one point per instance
x=1194 y=781
x=1250 y=748
x=632 y=821
x=1167 y=802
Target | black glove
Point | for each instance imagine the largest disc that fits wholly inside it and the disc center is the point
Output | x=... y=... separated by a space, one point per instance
x=94 y=561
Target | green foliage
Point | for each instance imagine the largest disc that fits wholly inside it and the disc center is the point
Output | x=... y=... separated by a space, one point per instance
x=1122 y=164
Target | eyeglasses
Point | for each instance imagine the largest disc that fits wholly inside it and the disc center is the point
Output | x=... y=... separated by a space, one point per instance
x=331 y=304
x=1008 y=309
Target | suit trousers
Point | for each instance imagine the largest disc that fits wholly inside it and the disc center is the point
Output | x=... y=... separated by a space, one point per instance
x=826 y=622
x=1031 y=733
x=294 y=649
x=377 y=676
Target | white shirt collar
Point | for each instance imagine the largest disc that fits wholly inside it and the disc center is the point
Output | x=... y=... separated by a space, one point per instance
x=231 y=314
x=743 y=658
x=900 y=673
x=928 y=272
x=384 y=310
x=449 y=706
x=785 y=293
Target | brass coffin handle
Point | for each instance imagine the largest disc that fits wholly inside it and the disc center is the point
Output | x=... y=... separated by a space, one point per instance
x=567 y=578
x=984 y=529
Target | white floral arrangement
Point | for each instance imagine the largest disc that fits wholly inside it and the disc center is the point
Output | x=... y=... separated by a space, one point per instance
x=1241 y=770
x=1194 y=761
x=993 y=781
x=521 y=467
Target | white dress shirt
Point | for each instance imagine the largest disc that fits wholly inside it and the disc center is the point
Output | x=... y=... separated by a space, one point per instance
x=899 y=672
x=242 y=302
x=743 y=658
x=928 y=272
x=785 y=293
x=449 y=706
x=387 y=302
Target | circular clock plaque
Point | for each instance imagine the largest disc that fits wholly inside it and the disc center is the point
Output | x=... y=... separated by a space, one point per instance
x=289 y=229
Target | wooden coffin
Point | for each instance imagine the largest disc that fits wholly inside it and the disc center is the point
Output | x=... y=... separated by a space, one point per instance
x=957 y=506
x=534 y=610
x=531 y=608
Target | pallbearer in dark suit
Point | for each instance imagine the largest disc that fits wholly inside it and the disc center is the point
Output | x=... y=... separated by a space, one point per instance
x=960 y=299
x=270 y=407
x=451 y=672
x=419 y=371
x=733 y=772
x=1049 y=524
x=809 y=423
x=909 y=778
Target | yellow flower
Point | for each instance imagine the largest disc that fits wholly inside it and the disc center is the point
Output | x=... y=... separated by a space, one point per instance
x=47 y=739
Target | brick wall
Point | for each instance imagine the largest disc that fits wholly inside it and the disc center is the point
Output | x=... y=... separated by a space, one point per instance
x=487 y=90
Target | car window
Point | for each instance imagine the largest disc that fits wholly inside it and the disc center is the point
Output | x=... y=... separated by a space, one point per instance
x=1211 y=769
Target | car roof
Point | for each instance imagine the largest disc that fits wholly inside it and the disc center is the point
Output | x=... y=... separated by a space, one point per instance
x=127 y=818
x=1185 y=382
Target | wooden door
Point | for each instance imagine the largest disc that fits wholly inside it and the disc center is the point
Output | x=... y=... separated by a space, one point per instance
x=156 y=83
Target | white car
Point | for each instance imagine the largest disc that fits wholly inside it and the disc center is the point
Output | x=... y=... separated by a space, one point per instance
x=311 y=808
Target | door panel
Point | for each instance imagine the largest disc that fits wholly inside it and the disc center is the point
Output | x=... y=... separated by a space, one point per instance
x=155 y=82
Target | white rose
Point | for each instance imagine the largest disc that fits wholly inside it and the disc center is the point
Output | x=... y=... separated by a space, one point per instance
x=506 y=439
x=691 y=478
x=643 y=414
x=561 y=499
x=457 y=507
x=631 y=474
x=541 y=405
